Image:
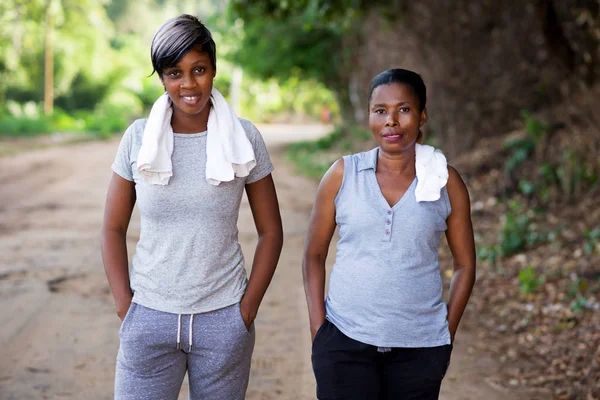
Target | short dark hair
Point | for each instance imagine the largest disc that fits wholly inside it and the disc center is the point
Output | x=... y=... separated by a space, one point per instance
x=404 y=76
x=176 y=37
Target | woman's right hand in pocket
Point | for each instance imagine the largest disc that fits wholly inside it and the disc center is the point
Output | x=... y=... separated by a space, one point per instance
x=314 y=329
x=122 y=308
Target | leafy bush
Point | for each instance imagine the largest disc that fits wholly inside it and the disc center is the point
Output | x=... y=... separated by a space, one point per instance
x=313 y=158
x=534 y=128
x=489 y=254
x=63 y=122
x=518 y=230
x=24 y=126
x=520 y=150
x=149 y=92
x=529 y=281
x=566 y=175
x=592 y=238
x=103 y=123
x=85 y=93
x=515 y=230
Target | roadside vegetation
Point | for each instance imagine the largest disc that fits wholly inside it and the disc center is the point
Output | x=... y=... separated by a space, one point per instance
x=536 y=304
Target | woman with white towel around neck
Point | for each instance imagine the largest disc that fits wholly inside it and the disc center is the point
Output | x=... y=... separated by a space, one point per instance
x=186 y=303
x=384 y=332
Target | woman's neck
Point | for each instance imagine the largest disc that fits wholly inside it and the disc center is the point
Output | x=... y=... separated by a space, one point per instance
x=397 y=163
x=185 y=123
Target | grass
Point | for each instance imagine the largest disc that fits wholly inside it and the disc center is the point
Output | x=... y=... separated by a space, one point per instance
x=313 y=158
x=98 y=125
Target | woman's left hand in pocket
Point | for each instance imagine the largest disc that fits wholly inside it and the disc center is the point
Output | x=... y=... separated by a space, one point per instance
x=247 y=314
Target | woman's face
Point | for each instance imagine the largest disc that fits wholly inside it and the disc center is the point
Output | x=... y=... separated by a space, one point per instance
x=394 y=117
x=189 y=84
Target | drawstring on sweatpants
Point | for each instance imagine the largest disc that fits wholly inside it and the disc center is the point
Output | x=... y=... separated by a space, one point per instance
x=190 y=332
x=178 y=332
x=191 y=320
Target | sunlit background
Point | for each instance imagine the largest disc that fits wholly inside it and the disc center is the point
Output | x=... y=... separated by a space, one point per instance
x=513 y=101
x=70 y=65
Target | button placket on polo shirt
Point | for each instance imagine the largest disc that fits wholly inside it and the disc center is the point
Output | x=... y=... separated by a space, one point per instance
x=387 y=226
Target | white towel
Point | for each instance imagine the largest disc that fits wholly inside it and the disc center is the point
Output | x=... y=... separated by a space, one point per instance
x=432 y=172
x=229 y=153
x=154 y=157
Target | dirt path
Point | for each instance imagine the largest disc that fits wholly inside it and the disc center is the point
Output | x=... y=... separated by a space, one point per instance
x=58 y=329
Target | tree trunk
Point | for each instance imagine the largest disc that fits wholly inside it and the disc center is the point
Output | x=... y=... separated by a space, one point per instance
x=558 y=45
x=348 y=117
x=48 y=61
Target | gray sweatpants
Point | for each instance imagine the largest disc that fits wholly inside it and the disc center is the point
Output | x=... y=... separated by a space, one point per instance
x=157 y=348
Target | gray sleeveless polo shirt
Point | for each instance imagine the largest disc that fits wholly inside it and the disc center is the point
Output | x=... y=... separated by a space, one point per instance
x=385 y=287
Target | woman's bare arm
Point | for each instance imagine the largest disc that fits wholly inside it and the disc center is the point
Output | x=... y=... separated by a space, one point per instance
x=320 y=231
x=265 y=211
x=462 y=245
x=117 y=214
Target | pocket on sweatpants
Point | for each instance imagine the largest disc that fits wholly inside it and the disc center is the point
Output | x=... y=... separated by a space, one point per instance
x=436 y=361
x=241 y=318
x=321 y=328
x=447 y=356
x=126 y=318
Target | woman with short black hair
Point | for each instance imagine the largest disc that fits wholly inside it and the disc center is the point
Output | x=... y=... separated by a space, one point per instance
x=185 y=303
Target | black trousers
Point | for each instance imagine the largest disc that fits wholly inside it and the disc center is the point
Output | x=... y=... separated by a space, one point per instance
x=346 y=369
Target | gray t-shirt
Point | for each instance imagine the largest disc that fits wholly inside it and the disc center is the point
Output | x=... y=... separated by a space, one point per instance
x=188 y=259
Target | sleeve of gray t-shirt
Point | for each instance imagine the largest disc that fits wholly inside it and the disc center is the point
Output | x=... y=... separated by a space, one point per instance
x=263 y=165
x=122 y=165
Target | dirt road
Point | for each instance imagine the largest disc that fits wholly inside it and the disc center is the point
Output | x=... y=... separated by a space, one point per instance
x=58 y=329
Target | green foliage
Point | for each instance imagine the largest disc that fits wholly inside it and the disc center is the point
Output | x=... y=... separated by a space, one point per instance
x=515 y=230
x=149 y=92
x=336 y=138
x=576 y=287
x=521 y=149
x=519 y=232
x=534 y=128
x=566 y=176
x=101 y=62
x=579 y=304
x=80 y=33
x=105 y=122
x=592 y=238
x=85 y=93
x=306 y=39
x=337 y=15
x=313 y=158
x=23 y=126
x=266 y=100
x=101 y=58
x=529 y=281
x=116 y=8
x=102 y=122
x=572 y=173
x=526 y=187
x=489 y=254
x=63 y=122
x=290 y=50
x=27 y=120
x=576 y=291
